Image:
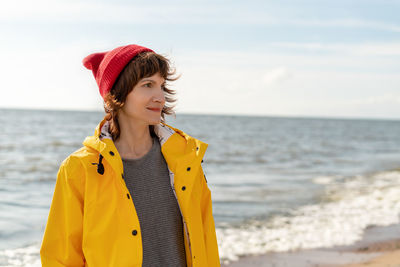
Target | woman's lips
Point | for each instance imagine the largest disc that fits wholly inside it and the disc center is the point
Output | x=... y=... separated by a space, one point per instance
x=155 y=109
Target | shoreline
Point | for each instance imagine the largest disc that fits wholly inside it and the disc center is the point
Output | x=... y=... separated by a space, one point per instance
x=389 y=255
x=379 y=247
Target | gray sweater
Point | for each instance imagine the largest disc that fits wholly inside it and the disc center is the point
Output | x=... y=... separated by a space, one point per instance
x=147 y=179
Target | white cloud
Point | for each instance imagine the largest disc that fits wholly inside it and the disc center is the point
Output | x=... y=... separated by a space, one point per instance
x=346 y=23
x=70 y=11
x=386 y=98
x=288 y=84
x=237 y=82
x=172 y=13
x=354 y=49
x=51 y=78
x=276 y=75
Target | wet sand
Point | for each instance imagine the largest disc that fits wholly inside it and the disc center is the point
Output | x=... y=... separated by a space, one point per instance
x=390 y=255
x=380 y=246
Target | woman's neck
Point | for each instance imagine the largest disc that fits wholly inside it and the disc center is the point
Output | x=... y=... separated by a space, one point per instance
x=134 y=140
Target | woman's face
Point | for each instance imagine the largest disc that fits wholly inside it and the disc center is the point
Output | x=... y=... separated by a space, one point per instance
x=147 y=94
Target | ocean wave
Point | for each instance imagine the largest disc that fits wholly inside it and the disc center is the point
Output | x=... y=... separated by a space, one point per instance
x=355 y=203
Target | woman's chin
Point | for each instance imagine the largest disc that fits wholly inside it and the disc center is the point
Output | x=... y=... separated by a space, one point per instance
x=155 y=121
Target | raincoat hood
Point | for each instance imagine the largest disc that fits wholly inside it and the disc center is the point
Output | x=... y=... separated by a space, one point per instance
x=190 y=150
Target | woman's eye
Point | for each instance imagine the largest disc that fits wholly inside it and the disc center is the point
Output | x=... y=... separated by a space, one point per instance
x=149 y=85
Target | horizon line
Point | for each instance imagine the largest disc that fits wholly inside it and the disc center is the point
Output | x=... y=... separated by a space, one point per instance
x=220 y=114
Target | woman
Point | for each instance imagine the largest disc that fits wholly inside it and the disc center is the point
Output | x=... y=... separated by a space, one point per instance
x=135 y=194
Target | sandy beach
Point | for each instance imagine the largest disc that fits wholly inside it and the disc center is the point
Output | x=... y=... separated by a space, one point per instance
x=389 y=259
x=390 y=255
x=380 y=247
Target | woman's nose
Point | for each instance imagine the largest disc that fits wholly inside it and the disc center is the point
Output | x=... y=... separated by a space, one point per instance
x=160 y=95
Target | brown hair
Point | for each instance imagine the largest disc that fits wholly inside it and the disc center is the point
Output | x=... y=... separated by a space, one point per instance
x=143 y=65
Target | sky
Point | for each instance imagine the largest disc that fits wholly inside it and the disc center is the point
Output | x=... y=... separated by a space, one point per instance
x=267 y=58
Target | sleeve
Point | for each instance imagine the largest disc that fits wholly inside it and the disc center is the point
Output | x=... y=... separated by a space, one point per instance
x=62 y=239
x=210 y=236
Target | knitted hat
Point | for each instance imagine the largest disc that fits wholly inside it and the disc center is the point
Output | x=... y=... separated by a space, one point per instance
x=106 y=66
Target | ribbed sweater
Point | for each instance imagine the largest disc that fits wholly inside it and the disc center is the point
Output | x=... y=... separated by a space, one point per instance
x=147 y=179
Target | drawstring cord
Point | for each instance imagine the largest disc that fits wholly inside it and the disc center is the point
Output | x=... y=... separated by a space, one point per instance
x=100 y=166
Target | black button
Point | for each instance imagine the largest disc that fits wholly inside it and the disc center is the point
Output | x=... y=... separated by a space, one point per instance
x=134 y=232
x=183 y=188
x=197 y=148
x=188 y=169
x=111 y=153
x=128 y=196
x=201 y=161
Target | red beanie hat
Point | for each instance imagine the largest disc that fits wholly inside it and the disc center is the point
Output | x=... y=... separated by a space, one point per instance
x=106 y=66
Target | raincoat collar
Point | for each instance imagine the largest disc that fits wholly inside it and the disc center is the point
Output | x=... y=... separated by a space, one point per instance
x=179 y=149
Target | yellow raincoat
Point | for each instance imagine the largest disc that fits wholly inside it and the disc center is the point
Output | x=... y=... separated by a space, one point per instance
x=93 y=221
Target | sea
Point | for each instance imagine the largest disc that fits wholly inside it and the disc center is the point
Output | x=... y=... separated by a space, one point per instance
x=278 y=184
